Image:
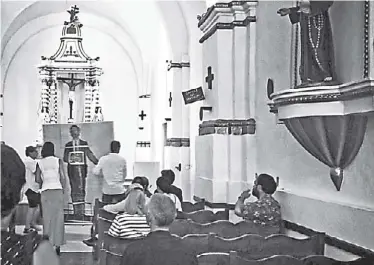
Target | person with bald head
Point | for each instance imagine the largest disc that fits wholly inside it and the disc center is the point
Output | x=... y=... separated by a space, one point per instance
x=159 y=246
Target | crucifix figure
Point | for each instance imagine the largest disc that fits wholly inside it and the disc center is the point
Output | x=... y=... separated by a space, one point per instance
x=72 y=85
x=209 y=78
x=142 y=115
x=73 y=12
x=170 y=99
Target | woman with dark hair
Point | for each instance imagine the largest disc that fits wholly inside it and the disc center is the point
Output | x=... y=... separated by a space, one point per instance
x=164 y=187
x=18 y=249
x=50 y=175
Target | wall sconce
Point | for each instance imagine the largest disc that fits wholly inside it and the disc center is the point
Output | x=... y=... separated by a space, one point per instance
x=202 y=109
x=179 y=167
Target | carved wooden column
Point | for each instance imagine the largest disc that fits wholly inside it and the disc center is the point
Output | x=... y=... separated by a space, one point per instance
x=226 y=145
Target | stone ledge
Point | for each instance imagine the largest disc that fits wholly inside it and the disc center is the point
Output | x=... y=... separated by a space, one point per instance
x=228 y=127
x=178 y=142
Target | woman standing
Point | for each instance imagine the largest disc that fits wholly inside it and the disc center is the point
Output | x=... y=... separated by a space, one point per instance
x=50 y=175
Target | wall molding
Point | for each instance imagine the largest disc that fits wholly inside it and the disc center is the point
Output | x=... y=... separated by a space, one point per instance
x=178 y=142
x=178 y=65
x=329 y=240
x=228 y=127
x=143 y=144
x=221 y=25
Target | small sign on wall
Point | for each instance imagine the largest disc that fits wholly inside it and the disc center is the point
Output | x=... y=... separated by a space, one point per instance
x=193 y=95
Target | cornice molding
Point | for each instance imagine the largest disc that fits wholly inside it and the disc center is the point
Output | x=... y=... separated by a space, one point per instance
x=178 y=142
x=228 y=127
x=220 y=25
x=303 y=99
x=224 y=8
x=178 y=65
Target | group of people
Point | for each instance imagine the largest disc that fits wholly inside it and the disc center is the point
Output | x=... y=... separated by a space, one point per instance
x=139 y=213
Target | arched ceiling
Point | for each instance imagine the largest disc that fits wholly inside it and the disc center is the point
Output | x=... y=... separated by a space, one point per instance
x=140 y=21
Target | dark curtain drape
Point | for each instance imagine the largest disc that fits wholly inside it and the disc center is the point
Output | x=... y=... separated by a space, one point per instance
x=333 y=140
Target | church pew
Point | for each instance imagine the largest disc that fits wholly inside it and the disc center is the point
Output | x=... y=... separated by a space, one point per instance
x=248 y=246
x=189 y=207
x=223 y=228
x=212 y=258
x=205 y=216
x=104 y=221
x=252 y=246
x=235 y=259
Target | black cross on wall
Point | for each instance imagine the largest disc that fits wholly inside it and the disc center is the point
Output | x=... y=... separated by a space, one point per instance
x=142 y=115
x=170 y=99
x=209 y=78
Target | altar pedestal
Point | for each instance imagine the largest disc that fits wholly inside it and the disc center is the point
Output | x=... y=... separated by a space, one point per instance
x=98 y=135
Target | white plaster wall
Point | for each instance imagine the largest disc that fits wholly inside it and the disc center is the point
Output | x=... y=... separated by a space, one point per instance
x=316 y=204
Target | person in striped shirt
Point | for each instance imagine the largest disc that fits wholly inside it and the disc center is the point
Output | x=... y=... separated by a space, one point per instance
x=132 y=222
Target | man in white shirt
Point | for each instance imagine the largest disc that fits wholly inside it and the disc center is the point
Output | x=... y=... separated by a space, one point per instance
x=113 y=169
x=32 y=190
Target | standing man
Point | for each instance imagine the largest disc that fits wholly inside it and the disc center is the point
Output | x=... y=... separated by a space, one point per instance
x=32 y=190
x=75 y=154
x=113 y=169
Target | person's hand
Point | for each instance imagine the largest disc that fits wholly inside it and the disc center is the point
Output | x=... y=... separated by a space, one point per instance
x=245 y=194
x=284 y=11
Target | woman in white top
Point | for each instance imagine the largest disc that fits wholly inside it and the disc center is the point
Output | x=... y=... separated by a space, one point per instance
x=51 y=177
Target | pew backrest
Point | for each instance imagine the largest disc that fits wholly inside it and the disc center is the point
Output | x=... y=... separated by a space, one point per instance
x=206 y=216
x=257 y=247
x=189 y=207
x=235 y=259
x=273 y=260
x=213 y=259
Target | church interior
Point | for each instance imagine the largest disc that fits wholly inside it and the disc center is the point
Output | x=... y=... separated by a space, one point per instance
x=217 y=91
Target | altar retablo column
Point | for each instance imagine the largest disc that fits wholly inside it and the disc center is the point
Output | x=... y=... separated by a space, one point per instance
x=225 y=148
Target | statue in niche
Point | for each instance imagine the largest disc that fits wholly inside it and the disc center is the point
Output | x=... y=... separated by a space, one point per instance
x=98 y=117
x=317 y=52
x=71 y=103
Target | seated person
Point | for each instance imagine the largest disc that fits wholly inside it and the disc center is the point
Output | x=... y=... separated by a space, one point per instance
x=164 y=187
x=118 y=207
x=266 y=210
x=132 y=222
x=137 y=193
x=19 y=249
x=145 y=184
x=159 y=246
x=170 y=176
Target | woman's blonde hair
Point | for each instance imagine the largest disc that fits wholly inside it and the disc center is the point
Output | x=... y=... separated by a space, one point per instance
x=135 y=202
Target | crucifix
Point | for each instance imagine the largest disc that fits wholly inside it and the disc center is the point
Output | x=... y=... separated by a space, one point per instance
x=209 y=78
x=73 y=12
x=170 y=99
x=72 y=85
x=142 y=115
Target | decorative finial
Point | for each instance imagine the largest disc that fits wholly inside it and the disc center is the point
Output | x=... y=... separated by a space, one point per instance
x=73 y=14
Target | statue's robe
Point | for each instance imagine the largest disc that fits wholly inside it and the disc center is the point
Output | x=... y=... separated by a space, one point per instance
x=77 y=175
x=317 y=52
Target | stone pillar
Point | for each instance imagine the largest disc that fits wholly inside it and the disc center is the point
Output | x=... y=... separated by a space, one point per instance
x=1 y=114
x=177 y=152
x=185 y=141
x=226 y=145
x=369 y=37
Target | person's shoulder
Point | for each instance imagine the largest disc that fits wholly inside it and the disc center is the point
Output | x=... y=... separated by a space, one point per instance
x=83 y=142
x=70 y=143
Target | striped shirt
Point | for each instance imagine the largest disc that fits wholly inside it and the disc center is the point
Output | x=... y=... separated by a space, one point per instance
x=129 y=226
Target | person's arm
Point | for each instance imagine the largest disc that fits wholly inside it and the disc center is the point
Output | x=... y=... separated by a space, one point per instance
x=45 y=254
x=115 y=208
x=98 y=168
x=38 y=176
x=124 y=171
x=91 y=156
x=66 y=154
x=239 y=205
x=62 y=174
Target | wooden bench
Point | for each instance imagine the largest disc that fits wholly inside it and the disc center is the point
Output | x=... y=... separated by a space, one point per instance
x=222 y=228
x=235 y=259
x=189 y=207
x=205 y=216
x=249 y=246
